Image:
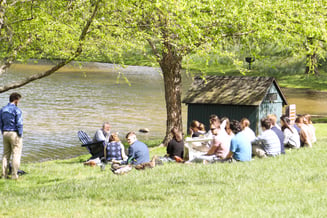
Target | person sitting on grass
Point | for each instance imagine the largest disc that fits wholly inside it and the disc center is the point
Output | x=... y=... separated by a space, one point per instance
x=220 y=143
x=138 y=156
x=115 y=150
x=266 y=144
x=304 y=134
x=195 y=129
x=277 y=129
x=245 y=124
x=202 y=129
x=138 y=152
x=218 y=150
x=175 y=148
x=213 y=120
x=241 y=149
x=291 y=135
x=311 y=128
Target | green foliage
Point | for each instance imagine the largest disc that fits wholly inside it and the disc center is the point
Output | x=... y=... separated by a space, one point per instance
x=46 y=29
x=274 y=187
x=122 y=29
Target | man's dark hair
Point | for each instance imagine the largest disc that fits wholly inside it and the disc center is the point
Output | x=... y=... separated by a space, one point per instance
x=14 y=96
x=265 y=122
x=235 y=126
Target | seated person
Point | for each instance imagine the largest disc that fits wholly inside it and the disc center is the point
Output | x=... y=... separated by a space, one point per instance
x=175 y=148
x=202 y=129
x=225 y=124
x=311 y=128
x=274 y=127
x=102 y=134
x=291 y=135
x=115 y=150
x=266 y=144
x=195 y=129
x=241 y=149
x=213 y=120
x=304 y=132
x=219 y=146
x=245 y=124
x=138 y=152
x=296 y=126
x=225 y=130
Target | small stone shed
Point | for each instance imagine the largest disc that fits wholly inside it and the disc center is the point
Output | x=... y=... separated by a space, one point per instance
x=234 y=97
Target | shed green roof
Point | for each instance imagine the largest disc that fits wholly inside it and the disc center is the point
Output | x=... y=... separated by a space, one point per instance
x=230 y=90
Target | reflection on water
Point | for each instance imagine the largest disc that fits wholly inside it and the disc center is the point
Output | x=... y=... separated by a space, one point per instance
x=75 y=98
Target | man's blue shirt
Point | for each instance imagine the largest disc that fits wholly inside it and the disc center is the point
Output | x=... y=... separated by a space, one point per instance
x=11 y=119
x=138 y=153
x=241 y=147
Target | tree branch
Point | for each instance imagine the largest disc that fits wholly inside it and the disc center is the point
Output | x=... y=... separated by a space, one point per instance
x=154 y=48
x=22 y=20
x=77 y=52
x=8 y=61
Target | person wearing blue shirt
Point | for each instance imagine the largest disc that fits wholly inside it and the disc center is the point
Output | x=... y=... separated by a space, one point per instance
x=138 y=152
x=241 y=148
x=11 y=125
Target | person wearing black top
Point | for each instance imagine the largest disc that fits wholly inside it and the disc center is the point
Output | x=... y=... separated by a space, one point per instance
x=176 y=145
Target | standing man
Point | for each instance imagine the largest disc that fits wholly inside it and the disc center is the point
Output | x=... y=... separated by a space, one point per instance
x=11 y=125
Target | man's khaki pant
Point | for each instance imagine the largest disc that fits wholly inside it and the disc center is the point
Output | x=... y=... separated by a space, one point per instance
x=12 y=145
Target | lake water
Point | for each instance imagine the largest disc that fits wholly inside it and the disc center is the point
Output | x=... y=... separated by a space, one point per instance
x=82 y=98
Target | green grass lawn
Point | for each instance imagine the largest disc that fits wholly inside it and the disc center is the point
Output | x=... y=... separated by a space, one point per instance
x=292 y=185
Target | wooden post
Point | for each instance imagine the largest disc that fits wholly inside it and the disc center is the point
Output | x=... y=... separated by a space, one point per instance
x=291 y=112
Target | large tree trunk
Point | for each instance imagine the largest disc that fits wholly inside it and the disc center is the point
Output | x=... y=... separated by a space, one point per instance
x=171 y=67
x=312 y=64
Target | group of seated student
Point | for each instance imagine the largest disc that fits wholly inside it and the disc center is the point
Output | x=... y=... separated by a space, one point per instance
x=236 y=140
x=303 y=125
x=114 y=150
x=231 y=140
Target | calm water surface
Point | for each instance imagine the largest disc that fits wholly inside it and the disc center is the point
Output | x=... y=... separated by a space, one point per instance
x=76 y=98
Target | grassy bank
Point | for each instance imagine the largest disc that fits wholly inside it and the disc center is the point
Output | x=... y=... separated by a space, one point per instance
x=290 y=185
